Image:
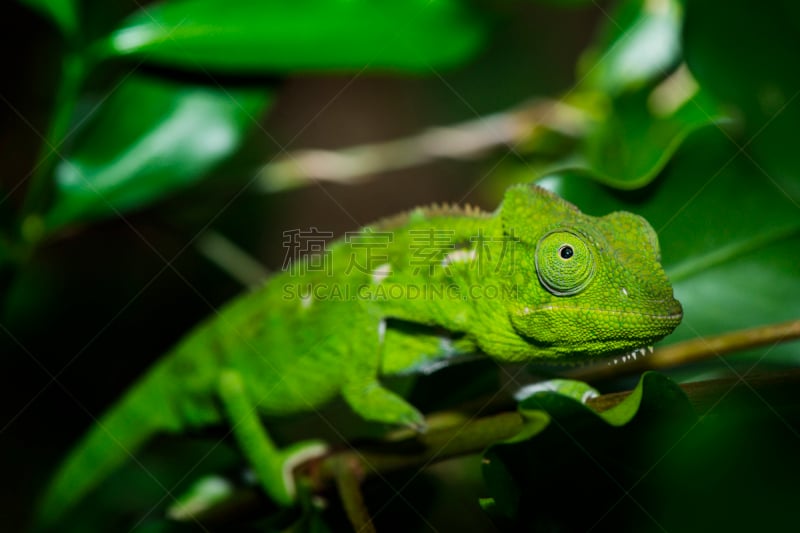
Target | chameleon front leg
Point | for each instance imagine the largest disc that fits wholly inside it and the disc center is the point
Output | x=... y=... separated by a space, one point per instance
x=373 y=402
x=272 y=465
x=365 y=394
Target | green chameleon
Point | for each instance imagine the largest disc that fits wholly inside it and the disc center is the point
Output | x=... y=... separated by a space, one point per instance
x=537 y=280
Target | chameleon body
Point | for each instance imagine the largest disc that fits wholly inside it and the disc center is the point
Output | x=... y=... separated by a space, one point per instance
x=537 y=280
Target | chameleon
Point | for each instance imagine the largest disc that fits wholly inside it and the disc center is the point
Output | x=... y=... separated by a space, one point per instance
x=536 y=280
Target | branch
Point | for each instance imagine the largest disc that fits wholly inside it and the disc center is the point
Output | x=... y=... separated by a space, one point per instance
x=461 y=141
x=453 y=434
x=704 y=395
x=695 y=350
x=476 y=435
x=230 y=258
x=348 y=476
x=462 y=438
x=456 y=436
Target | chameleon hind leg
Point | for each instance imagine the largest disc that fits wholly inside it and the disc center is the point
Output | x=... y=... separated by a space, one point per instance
x=272 y=465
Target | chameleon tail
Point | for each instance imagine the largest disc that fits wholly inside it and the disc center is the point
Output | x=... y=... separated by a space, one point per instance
x=112 y=440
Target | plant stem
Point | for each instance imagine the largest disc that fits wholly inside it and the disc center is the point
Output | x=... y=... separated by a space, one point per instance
x=230 y=258
x=694 y=350
x=464 y=438
x=454 y=434
x=704 y=395
x=476 y=435
x=73 y=71
x=348 y=475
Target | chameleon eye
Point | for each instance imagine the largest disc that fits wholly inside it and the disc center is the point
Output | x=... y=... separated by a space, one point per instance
x=565 y=263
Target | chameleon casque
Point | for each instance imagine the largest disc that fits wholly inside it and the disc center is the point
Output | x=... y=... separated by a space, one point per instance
x=537 y=280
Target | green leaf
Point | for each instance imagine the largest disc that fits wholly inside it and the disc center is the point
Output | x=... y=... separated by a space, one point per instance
x=741 y=54
x=572 y=472
x=639 y=43
x=652 y=464
x=202 y=495
x=577 y=390
x=745 y=57
x=634 y=136
x=61 y=12
x=730 y=238
x=270 y=36
x=736 y=469
x=148 y=139
x=566 y=3
x=641 y=104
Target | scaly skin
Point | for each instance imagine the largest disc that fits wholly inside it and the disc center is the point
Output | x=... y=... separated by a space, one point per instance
x=535 y=281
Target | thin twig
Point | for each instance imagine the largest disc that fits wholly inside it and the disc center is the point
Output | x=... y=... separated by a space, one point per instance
x=436 y=445
x=704 y=395
x=348 y=475
x=695 y=350
x=231 y=259
x=476 y=435
x=454 y=435
x=466 y=140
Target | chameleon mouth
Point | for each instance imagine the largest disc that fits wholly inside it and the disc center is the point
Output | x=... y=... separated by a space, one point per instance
x=633 y=355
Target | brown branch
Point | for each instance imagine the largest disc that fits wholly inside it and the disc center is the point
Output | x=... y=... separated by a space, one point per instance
x=435 y=445
x=452 y=434
x=230 y=258
x=476 y=435
x=704 y=395
x=695 y=350
x=345 y=468
x=348 y=475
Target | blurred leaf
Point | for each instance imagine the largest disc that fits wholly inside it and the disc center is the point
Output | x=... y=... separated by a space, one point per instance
x=642 y=107
x=651 y=464
x=638 y=101
x=639 y=43
x=133 y=490
x=730 y=238
x=147 y=140
x=745 y=57
x=634 y=136
x=736 y=469
x=274 y=36
x=585 y=460
x=26 y=296
x=61 y=12
x=201 y=496
x=741 y=54
x=566 y=3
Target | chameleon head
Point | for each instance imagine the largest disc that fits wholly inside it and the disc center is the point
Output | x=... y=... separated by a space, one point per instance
x=584 y=287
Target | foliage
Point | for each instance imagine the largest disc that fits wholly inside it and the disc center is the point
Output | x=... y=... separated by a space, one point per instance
x=149 y=116
x=640 y=463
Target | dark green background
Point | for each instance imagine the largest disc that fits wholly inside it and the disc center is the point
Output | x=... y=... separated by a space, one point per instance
x=100 y=272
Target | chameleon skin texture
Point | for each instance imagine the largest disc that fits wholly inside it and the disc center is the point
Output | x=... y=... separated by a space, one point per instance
x=537 y=280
